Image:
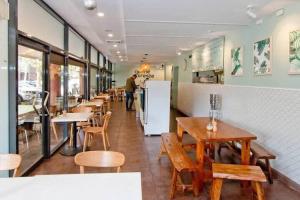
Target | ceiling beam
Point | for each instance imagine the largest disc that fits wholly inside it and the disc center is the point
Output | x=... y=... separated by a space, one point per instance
x=185 y=22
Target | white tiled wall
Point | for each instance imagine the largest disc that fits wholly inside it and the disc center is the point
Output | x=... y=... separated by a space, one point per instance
x=270 y=113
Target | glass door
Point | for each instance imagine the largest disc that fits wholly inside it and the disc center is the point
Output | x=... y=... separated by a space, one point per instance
x=30 y=99
x=76 y=83
x=56 y=100
x=93 y=81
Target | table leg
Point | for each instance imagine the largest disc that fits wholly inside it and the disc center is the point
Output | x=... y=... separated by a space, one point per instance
x=72 y=150
x=245 y=156
x=179 y=133
x=200 y=152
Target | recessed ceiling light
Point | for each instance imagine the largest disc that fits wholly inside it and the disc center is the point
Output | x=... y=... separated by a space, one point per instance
x=179 y=53
x=118 y=52
x=110 y=35
x=250 y=12
x=120 y=56
x=100 y=14
x=115 y=45
x=121 y=60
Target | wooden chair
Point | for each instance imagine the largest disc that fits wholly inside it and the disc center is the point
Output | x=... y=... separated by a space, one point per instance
x=10 y=162
x=53 y=113
x=103 y=159
x=98 y=111
x=100 y=130
x=80 y=125
x=180 y=161
x=237 y=172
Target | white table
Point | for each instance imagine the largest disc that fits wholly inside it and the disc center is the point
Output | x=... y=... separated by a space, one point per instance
x=106 y=186
x=25 y=109
x=72 y=117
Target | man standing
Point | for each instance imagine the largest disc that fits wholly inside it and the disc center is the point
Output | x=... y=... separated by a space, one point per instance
x=130 y=89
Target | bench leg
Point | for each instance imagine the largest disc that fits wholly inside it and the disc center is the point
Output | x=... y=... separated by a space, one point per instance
x=161 y=151
x=221 y=146
x=173 y=183
x=259 y=191
x=195 y=184
x=215 y=193
x=270 y=175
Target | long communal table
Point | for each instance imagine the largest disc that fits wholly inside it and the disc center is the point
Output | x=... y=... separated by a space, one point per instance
x=196 y=127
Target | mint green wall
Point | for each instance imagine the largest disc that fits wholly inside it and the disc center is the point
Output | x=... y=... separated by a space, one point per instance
x=184 y=75
x=276 y=27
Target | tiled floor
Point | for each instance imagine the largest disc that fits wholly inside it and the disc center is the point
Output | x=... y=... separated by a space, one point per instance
x=126 y=136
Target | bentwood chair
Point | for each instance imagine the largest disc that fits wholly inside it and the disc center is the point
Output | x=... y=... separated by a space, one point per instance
x=98 y=130
x=10 y=162
x=100 y=159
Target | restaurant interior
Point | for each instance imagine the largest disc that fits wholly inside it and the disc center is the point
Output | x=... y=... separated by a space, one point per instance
x=214 y=113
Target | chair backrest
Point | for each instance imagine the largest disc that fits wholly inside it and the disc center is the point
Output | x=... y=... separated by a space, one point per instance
x=10 y=162
x=101 y=159
x=82 y=109
x=106 y=117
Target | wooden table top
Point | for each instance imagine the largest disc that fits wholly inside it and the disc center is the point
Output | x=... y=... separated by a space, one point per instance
x=105 y=97
x=72 y=117
x=98 y=103
x=196 y=127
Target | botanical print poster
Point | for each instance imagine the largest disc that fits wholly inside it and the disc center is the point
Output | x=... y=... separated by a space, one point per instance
x=262 y=57
x=237 y=61
x=295 y=52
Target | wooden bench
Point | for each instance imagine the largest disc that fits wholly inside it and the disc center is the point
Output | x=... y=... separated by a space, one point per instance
x=258 y=153
x=180 y=161
x=237 y=172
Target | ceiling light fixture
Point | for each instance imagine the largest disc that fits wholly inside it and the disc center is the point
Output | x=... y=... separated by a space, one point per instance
x=120 y=56
x=260 y=21
x=115 y=45
x=178 y=53
x=90 y=4
x=122 y=60
x=280 y=12
x=100 y=14
x=118 y=52
x=250 y=12
x=110 y=35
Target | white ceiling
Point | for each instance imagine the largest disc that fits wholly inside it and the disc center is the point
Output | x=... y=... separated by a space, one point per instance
x=159 y=28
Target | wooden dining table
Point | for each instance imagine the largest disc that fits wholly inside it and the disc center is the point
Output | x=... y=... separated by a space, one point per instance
x=196 y=127
x=103 y=97
x=98 y=103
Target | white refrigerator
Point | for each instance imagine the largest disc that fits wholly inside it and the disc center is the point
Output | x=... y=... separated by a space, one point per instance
x=156 y=107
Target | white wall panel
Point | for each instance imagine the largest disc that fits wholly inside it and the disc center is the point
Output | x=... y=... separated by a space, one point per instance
x=94 y=55
x=101 y=60
x=76 y=44
x=273 y=114
x=34 y=20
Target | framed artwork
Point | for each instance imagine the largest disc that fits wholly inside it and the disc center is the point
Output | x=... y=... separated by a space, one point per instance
x=237 y=61
x=262 y=57
x=294 y=56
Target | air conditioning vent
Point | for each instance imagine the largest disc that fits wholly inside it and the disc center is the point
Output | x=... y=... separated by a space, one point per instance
x=114 y=41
